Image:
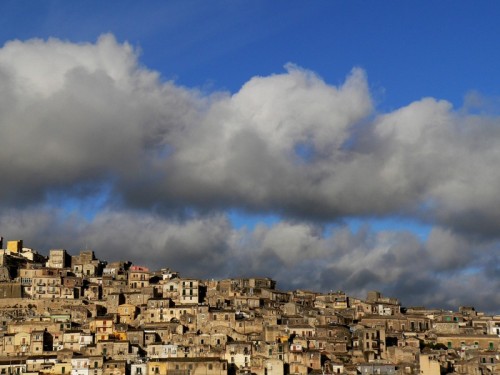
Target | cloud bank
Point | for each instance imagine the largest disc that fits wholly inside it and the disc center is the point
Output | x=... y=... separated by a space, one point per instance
x=98 y=150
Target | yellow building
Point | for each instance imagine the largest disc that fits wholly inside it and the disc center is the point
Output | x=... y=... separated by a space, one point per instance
x=15 y=246
x=103 y=327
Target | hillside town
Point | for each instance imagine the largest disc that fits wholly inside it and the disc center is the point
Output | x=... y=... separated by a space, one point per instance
x=76 y=314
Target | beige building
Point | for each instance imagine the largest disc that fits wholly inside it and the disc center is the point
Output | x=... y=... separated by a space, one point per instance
x=10 y=290
x=457 y=341
x=189 y=291
x=239 y=353
x=192 y=366
x=27 y=275
x=47 y=287
x=115 y=367
x=127 y=313
x=58 y=258
x=371 y=342
x=138 y=277
x=429 y=365
x=87 y=269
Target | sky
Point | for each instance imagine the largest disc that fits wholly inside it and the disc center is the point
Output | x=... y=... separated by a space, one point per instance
x=329 y=145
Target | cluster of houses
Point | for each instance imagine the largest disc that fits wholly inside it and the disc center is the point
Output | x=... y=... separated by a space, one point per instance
x=78 y=315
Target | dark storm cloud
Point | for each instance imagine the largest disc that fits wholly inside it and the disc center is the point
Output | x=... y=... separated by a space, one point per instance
x=197 y=247
x=297 y=255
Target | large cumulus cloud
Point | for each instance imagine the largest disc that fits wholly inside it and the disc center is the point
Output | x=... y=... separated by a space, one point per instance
x=76 y=116
x=148 y=165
